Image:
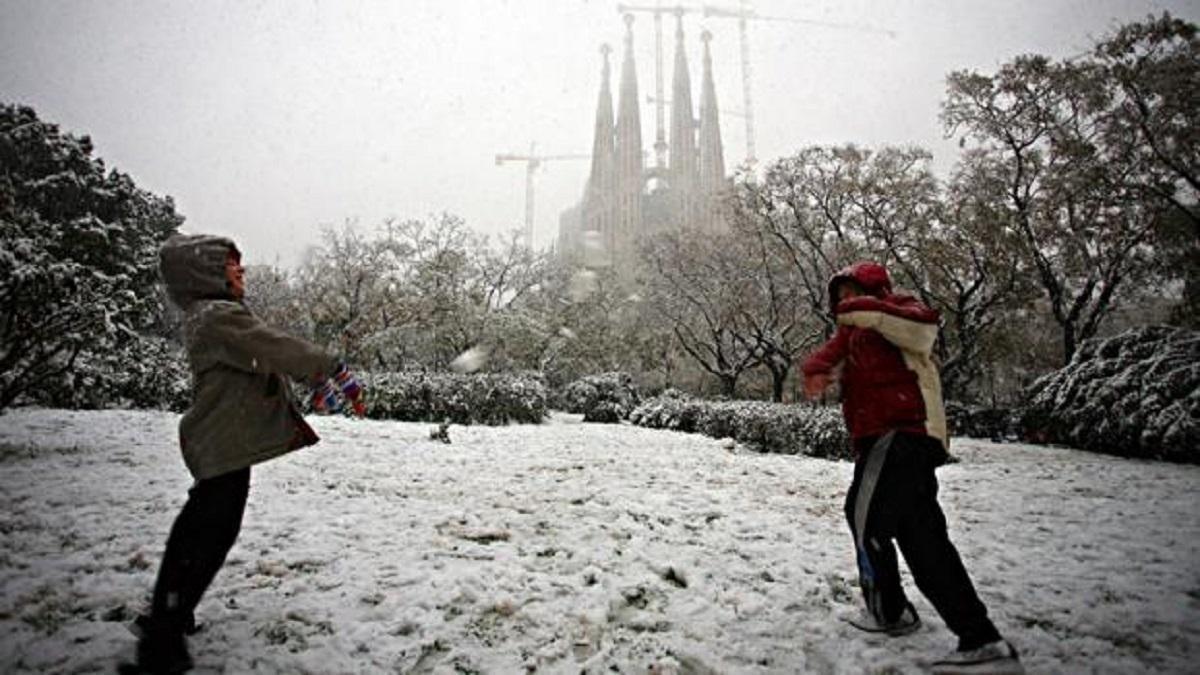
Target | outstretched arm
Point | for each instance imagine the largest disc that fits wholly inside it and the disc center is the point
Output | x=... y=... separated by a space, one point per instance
x=245 y=342
x=818 y=367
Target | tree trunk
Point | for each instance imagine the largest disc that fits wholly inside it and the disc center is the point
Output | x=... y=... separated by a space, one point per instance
x=728 y=384
x=778 y=379
x=1069 y=342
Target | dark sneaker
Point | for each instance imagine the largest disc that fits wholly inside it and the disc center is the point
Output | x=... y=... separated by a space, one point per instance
x=907 y=623
x=164 y=654
x=160 y=650
x=994 y=658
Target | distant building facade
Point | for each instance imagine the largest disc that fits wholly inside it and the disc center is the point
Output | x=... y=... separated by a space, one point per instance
x=624 y=200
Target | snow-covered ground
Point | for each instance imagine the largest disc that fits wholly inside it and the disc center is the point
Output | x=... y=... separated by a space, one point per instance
x=573 y=547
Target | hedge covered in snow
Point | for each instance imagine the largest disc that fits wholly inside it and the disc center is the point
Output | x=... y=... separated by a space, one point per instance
x=767 y=427
x=152 y=373
x=1136 y=394
x=492 y=399
x=607 y=397
x=143 y=372
x=995 y=424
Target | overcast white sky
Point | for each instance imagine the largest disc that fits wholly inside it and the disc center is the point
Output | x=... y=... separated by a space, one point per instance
x=266 y=120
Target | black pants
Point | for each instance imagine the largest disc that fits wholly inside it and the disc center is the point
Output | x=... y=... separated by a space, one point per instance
x=899 y=502
x=201 y=537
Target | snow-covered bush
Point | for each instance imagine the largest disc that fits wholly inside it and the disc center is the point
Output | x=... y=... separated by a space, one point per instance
x=1136 y=394
x=142 y=372
x=461 y=399
x=78 y=256
x=671 y=409
x=608 y=397
x=766 y=427
x=977 y=422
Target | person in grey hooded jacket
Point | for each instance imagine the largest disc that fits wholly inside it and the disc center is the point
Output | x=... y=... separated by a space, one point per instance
x=242 y=413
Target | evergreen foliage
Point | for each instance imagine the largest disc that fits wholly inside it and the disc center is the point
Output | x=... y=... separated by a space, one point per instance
x=766 y=427
x=1136 y=394
x=995 y=424
x=607 y=397
x=459 y=399
x=78 y=258
x=145 y=372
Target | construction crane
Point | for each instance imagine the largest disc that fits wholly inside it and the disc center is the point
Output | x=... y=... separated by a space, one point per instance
x=724 y=111
x=743 y=14
x=532 y=161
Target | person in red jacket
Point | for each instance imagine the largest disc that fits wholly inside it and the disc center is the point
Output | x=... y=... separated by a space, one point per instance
x=892 y=402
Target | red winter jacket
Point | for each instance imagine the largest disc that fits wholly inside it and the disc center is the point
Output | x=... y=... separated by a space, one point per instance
x=883 y=342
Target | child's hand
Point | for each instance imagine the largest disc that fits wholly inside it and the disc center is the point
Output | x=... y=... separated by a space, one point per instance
x=815 y=385
x=351 y=388
x=325 y=398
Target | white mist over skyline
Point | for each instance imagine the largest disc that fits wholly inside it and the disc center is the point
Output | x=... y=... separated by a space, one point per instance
x=267 y=120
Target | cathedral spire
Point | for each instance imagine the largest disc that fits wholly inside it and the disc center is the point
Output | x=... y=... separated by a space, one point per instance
x=712 y=160
x=597 y=215
x=629 y=154
x=682 y=170
x=603 y=174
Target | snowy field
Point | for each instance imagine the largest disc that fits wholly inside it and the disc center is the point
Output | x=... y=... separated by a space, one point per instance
x=575 y=547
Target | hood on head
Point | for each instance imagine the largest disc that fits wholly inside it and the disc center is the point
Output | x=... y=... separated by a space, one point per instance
x=870 y=276
x=193 y=267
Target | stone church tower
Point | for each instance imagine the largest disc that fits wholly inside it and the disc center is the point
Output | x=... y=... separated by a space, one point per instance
x=682 y=173
x=630 y=158
x=712 y=183
x=617 y=208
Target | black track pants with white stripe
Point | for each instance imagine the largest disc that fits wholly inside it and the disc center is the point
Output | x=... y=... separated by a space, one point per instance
x=894 y=497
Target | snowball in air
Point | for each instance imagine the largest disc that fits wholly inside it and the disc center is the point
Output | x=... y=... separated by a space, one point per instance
x=470 y=360
x=583 y=283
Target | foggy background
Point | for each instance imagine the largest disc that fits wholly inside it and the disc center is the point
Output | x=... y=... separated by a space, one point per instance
x=267 y=120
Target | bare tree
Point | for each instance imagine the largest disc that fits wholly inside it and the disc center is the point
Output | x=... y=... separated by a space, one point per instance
x=1038 y=130
x=1153 y=122
x=975 y=277
x=698 y=285
x=803 y=203
x=824 y=208
x=339 y=285
x=776 y=312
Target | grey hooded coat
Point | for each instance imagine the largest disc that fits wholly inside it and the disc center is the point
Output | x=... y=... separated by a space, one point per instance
x=242 y=411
